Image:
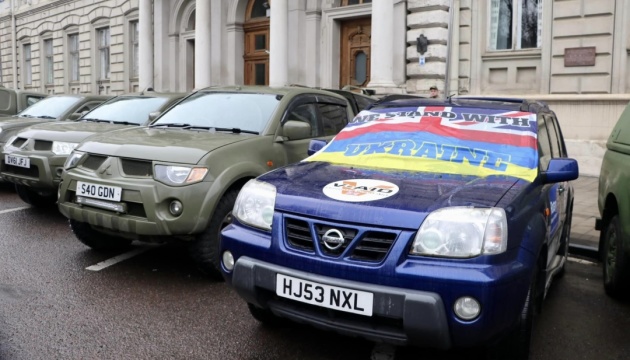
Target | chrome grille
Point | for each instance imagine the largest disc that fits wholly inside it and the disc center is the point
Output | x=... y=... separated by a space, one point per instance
x=93 y=162
x=137 y=167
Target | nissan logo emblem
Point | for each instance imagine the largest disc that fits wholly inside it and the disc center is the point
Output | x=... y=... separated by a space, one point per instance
x=333 y=239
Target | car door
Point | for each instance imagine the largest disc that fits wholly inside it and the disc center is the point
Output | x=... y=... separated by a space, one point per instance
x=326 y=117
x=551 y=192
x=558 y=151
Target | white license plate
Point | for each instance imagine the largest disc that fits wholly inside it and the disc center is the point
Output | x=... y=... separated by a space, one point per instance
x=96 y=191
x=19 y=161
x=332 y=297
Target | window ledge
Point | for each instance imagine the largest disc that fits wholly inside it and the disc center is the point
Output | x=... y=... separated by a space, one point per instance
x=512 y=54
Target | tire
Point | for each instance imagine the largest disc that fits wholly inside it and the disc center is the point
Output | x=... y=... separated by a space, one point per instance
x=265 y=317
x=204 y=250
x=615 y=263
x=97 y=240
x=516 y=345
x=33 y=198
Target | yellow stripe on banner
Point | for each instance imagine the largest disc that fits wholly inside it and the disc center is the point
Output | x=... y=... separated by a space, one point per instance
x=396 y=162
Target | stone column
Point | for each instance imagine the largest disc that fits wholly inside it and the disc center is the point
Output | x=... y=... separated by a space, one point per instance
x=145 y=44
x=382 y=64
x=313 y=36
x=203 y=73
x=278 y=43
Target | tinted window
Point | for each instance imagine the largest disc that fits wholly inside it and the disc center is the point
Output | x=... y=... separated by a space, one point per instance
x=553 y=137
x=334 y=118
x=244 y=111
x=544 y=147
x=308 y=114
x=50 y=107
x=127 y=109
x=363 y=101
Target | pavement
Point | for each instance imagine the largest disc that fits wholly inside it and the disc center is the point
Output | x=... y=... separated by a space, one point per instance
x=584 y=237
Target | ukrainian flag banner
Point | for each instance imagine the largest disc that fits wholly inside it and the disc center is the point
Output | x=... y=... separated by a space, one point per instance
x=463 y=141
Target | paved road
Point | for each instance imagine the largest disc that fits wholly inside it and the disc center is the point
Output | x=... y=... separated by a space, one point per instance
x=156 y=306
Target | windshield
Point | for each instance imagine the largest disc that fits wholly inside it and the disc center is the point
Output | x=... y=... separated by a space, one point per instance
x=50 y=107
x=248 y=112
x=134 y=110
x=463 y=141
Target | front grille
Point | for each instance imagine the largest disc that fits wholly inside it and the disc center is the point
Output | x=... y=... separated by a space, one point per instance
x=41 y=145
x=348 y=236
x=299 y=234
x=33 y=171
x=137 y=167
x=18 y=142
x=360 y=243
x=373 y=246
x=93 y=162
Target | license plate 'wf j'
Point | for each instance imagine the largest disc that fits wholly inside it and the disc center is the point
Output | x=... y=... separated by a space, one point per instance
x=332 y=297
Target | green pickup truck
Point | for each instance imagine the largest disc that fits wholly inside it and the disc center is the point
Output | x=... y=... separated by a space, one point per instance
x=178 y=178
x=13 y=101
x=614 y=208
x=34 y=157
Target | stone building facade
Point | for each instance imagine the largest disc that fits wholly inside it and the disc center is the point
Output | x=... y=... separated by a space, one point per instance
x=573 y=54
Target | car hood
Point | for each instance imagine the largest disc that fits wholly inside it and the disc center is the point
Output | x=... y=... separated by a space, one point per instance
x=13 y=122
x=67 y=131
x=300 y=190
x=168 y=145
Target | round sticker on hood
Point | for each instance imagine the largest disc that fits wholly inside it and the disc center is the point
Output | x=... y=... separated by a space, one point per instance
x=359 y=190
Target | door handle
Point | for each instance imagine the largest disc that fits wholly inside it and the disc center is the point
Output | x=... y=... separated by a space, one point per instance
x=561 y=189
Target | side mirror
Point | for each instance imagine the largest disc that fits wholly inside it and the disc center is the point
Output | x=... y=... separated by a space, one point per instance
x=154 y=115
x=561 y=169
x=315 y=145
x=74 y=116
x=296 y=130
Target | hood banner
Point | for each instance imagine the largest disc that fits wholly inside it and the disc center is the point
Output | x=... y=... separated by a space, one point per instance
x=461 y=141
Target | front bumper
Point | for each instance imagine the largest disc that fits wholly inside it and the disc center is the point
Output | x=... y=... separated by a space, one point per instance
x=146 y=202
x=44 y=172
x=400 y=316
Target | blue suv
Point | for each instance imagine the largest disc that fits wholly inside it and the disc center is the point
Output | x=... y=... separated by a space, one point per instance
x=422 y=223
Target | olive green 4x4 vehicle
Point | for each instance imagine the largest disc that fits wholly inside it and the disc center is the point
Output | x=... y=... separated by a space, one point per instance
x=12 y=101
x=178 y=178
x=34 y=157
x=614 y=208
x=50 y=109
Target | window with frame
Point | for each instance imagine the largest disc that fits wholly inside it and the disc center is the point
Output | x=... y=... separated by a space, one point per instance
x=28 y=68
x=354 y=2
x=515 y=24
x=135 y=49
x=334 y=118
x=48 y=62
x=103 y=42
x=544 y=145
x=73 y=57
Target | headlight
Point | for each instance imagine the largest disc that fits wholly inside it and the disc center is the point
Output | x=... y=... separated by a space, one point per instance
x=73 y=160
x=178 y=175
x=255 y=204
x=63 y=148
x=462 y=232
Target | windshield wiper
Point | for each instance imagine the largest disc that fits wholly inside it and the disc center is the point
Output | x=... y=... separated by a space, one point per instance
x=212 y=128
x=96 y=120
x=26 y=116
x=178 y=125
x=46 y=117
x=124 y=123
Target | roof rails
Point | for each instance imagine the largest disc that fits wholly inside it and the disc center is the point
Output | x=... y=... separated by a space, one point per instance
x=525 y=104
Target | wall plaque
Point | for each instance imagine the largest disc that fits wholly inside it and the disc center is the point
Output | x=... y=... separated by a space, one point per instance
x=579 y=56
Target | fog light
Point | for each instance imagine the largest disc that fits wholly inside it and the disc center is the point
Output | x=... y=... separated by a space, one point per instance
x=228 y=260
x=176 y=208
x=467 y=308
